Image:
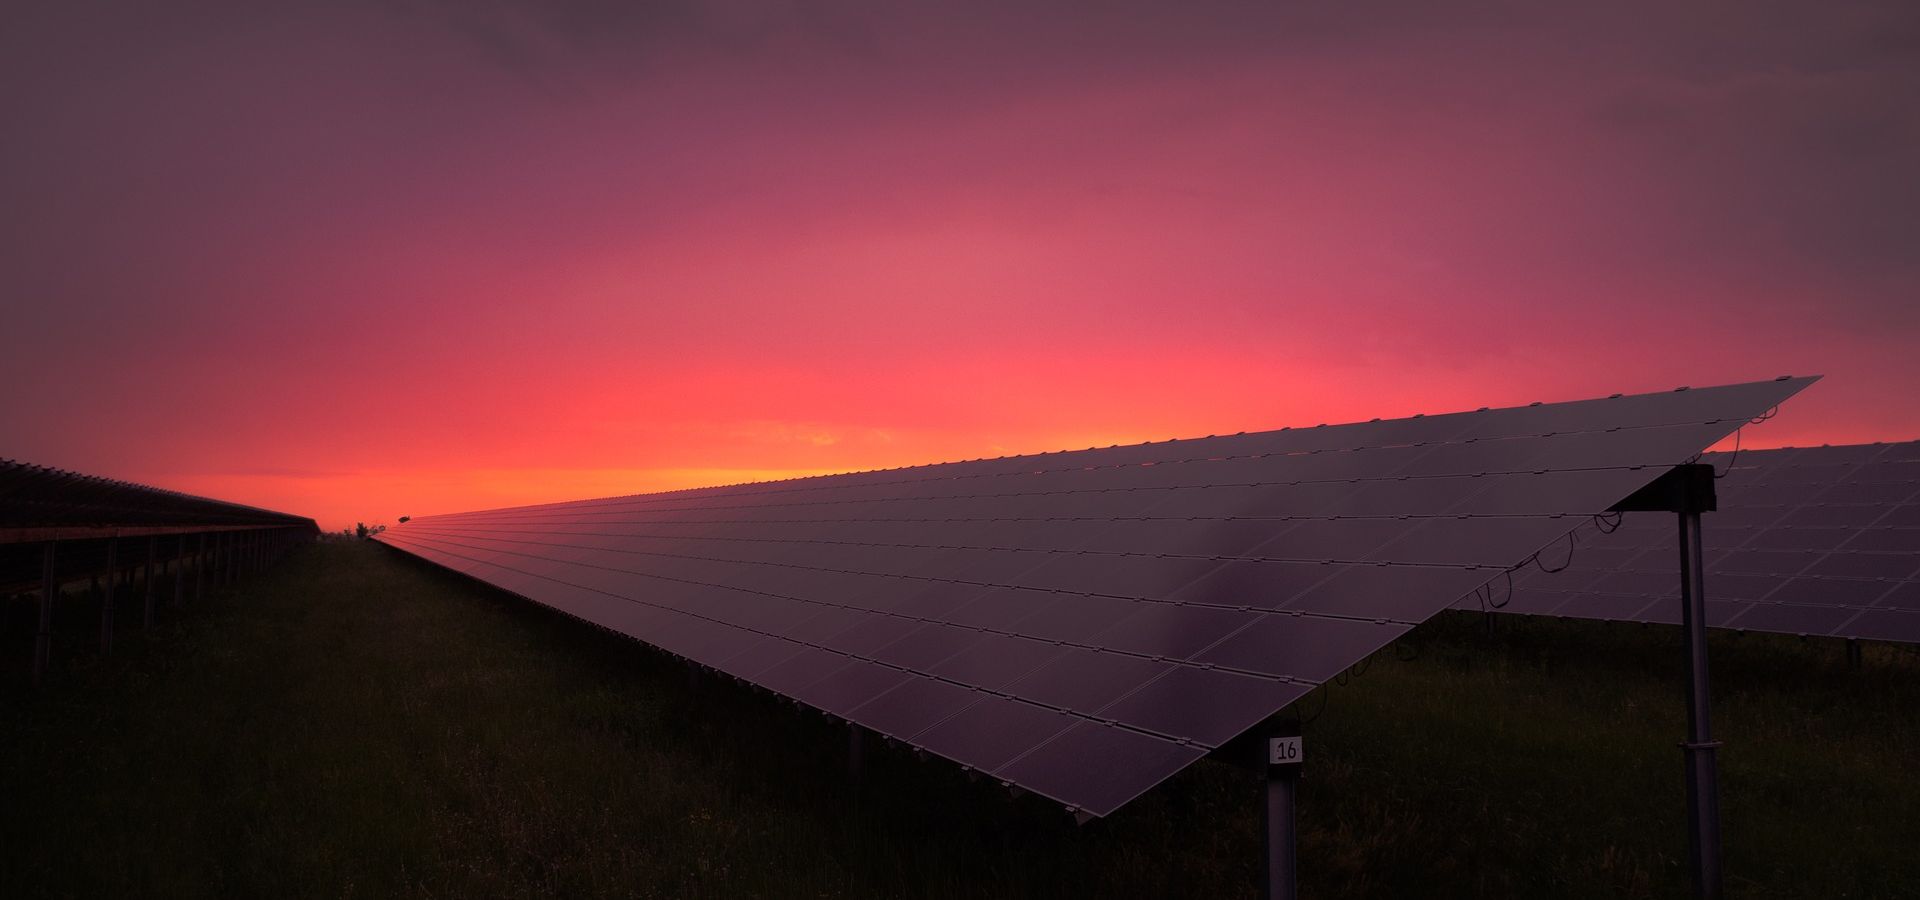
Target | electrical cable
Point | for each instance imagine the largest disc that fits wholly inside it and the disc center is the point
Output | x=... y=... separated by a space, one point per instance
x=1735 y=456
x=1535 y=559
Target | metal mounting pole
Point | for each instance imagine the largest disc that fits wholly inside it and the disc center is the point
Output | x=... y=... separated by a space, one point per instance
x=43 y=634
x=199 y=567
x=106 y=600
x=1689 y=491
x=146 y=619
x=1703 y=782
x=1853 y=653
x=1280 y=876
x=179 y=569
x=856 y=751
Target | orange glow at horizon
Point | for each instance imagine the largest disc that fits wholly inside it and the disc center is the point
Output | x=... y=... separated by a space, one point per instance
x=373 y=494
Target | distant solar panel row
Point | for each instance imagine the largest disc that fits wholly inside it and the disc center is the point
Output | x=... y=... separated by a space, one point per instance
x=36 y=498
x=1812 y=541
x=1085 y=624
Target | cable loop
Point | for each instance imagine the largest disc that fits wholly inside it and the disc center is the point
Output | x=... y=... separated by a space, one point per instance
x=1504 y=600
x=1543 y=566
x=1760 y=419
x=1734 y=458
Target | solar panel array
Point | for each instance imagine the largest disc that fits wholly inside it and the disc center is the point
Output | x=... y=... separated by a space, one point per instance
x=1810 y=541
x=1085 y=624
x=36 y=498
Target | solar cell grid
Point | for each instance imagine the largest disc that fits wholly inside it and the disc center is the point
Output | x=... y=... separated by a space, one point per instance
x=1146 y=603
x=1887 y=625
x=1902 y=595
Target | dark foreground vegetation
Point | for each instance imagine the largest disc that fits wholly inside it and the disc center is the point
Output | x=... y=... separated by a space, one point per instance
x=354 y=724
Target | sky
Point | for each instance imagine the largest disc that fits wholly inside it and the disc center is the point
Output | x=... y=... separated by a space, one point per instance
x=358 y=260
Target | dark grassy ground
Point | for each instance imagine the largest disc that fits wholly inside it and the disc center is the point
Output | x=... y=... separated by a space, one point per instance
x=358 y=725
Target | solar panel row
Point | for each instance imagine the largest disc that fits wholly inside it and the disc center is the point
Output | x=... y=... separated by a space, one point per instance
x=36 y=501
x=1085 y=624
x=1811 y=541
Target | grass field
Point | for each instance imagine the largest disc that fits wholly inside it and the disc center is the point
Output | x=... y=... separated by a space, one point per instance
x=356 y=724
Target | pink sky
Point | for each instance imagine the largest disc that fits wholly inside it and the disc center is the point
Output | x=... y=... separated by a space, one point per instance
x=404 y=257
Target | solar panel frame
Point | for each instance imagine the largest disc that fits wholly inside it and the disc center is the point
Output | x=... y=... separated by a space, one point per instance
x=928 y=603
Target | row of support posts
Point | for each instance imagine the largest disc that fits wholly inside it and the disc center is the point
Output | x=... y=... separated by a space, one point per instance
x=215 y=559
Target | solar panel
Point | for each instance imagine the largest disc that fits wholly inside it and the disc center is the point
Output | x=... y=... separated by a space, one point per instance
x=1809 y=541
x=1084 y=624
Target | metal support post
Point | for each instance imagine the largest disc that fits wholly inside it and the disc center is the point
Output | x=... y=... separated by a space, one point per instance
x=856 y=751
x=179 y=569
x=43 y=634
x=146 y=618
x=106 y=600
x=1280 y=876
x=1703 y=782
x=1853 y=653
x=1688 y=491
x=200 y=568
